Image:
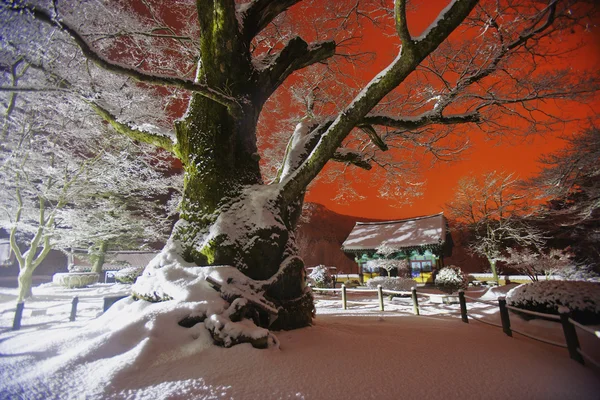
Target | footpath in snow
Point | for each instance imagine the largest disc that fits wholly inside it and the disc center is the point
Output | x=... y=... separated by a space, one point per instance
x=360 y=353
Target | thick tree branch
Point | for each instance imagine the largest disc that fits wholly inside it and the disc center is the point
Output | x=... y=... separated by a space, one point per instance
x=297 y=54
x=161 y=141
x=372 y=134
x=421 y=120
x=351 y=158
x=404 y=64
x=401 y=24
x=91 y=54
x=259 y=13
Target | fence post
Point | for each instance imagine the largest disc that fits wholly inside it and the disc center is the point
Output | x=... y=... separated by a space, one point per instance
x=74 y=308
x=570 y=334
x=380 y=295
x=344 y=297
x=18 y=315
x=504 y=315
x=463 y=306
x=415 y=301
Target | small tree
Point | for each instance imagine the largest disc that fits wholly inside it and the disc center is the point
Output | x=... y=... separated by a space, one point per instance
x=492 y=208
x=534 y=264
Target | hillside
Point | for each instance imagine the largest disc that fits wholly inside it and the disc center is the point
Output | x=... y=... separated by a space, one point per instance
x=320 y=235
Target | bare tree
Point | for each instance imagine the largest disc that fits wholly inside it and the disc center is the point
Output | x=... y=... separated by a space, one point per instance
x=226 y=59
x=493 y=209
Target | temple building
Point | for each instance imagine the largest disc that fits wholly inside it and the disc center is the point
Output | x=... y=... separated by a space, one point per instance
x=422 y=241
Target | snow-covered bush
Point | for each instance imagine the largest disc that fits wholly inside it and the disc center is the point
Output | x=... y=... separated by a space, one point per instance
x=534 y=264
x=321 y=277
x=399 y=284
x=129 y=274
x=582 y=298
x=579 y=273
x=75 y=279
x=450 y=279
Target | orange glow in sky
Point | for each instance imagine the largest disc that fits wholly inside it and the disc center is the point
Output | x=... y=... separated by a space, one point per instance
x=484 y=155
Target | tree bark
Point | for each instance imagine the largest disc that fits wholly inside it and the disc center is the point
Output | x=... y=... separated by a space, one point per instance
x=99 y=257
x=25 y=281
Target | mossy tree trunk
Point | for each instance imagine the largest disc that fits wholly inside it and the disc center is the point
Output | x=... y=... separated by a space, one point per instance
x=98 y=256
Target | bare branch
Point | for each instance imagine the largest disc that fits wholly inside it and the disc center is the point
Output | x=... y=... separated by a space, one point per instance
x=372 y=134
x=297 y=54
x=260 y=13
x=349 y=157
x=161 y=141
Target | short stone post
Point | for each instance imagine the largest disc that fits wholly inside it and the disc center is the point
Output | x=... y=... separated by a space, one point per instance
x=380 y=296
x=504 y=316
x=344 y=306
x=18 y=316
x=570 y=334
x=74 y=308
x=415 y=301
x=463 y=306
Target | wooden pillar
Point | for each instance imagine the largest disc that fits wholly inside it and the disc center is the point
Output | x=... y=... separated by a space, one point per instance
x=570 y=335
x=18 y=316
x=74 y=308
x=415 y=301
x=463 y=306
x=380 y=296
x=344 y=304
x=504 y=316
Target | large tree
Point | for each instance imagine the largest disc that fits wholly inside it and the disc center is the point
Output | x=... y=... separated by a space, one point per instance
x=226 y=59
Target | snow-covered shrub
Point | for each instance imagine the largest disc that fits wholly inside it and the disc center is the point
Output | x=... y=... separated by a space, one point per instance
x=579 y=273
x=534 y=264
x=582 y=298
x=75 y=279
x=321 y=277
x=450 y=279
x=399 y=284
x=129 y=274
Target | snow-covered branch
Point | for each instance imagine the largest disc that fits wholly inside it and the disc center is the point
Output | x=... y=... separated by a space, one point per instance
x=387 y=80
x=162 y=141
x=90 y=53
x=349 y=157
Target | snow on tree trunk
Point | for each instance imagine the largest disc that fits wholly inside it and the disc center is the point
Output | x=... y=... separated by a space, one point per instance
x=25 y=281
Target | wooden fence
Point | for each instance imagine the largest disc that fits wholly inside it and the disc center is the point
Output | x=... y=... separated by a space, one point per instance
x=568 y=324
x=107 y=302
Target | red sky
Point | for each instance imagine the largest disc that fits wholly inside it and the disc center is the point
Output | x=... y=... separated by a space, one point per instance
x=484 y=155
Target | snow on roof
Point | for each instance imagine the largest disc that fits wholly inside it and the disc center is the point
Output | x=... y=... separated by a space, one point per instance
x=400 y=234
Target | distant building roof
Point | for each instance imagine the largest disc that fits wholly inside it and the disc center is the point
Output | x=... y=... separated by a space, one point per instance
x=405 y=234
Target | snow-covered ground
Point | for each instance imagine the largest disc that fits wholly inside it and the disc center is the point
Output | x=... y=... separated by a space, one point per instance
x=359 y=353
